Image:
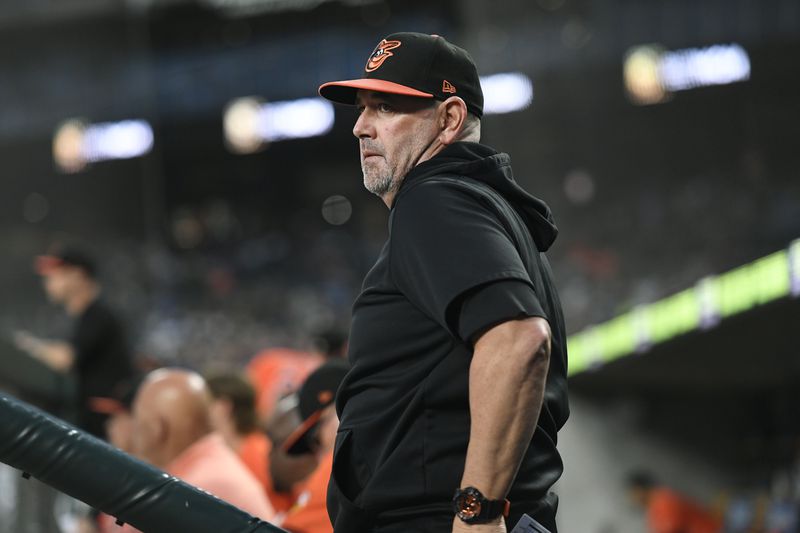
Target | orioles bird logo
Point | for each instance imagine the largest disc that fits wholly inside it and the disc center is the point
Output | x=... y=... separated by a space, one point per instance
x=381 y=54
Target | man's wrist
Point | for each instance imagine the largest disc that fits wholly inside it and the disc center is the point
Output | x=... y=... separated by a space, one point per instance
x=471 y=506
x=490 y=483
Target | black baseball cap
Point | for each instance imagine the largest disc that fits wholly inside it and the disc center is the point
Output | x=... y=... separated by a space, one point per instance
x=414 y=64
x=317 y=392
x=69 y=257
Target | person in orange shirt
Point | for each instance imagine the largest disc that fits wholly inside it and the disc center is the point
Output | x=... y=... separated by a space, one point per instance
x=667 y=510
x=172 y=431
x=233 y=415
x=315 y=435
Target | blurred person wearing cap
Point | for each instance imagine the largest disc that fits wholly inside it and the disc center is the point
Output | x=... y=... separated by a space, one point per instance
x=450 y=412
x=294 y=458
x=233 y=415
x=668 y=511
x=287 y=471
x=172 y=430
x=97 y=353
x=315 y=435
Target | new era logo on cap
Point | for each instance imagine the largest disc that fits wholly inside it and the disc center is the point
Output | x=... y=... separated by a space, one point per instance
x=414 y=64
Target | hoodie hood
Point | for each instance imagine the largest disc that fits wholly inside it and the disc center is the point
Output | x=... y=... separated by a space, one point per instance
x=484 y=164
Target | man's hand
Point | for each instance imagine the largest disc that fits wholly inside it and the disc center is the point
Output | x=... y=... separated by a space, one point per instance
x=26 y=342
x=57 y=355
x=495 y=526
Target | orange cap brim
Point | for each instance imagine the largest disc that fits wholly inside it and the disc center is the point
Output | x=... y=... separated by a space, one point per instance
x=106 y=406
x=344 y=92
x=301 y=431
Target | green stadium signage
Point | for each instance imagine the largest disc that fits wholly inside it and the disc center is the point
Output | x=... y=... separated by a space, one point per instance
x=712 y=299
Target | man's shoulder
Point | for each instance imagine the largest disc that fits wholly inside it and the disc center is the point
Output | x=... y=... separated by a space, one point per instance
x=211 y=465
x=99 y=312
x=441 y=195
x=440 y=184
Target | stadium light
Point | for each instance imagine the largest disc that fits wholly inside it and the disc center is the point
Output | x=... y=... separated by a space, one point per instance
x=250 y=124
x=506 y=92
x=652 y=73
x=77 y=143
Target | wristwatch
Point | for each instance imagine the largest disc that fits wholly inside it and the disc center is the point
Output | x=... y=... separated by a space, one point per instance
x=473 y=507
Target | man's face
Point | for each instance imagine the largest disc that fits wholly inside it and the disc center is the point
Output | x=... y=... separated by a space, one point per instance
x=394 y=133
x=60 y=283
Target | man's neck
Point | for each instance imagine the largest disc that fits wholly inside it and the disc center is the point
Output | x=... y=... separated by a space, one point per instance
x=434 y=148
x=388 y=198
x=174 y=450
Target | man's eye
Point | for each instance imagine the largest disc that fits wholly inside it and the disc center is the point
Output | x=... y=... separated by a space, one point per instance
x=385 y=108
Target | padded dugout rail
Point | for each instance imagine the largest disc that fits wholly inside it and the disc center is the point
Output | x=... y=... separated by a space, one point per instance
x=109 y=480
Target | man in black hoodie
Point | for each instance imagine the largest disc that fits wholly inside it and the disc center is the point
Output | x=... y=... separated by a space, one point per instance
x=457 y=389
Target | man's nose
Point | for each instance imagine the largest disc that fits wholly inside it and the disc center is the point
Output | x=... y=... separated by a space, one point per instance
x=363 y=128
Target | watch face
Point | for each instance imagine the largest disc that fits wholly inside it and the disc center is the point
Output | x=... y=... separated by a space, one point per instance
x=469 y=506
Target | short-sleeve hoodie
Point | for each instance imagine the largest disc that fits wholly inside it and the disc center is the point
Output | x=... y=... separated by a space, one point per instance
x=464 y=253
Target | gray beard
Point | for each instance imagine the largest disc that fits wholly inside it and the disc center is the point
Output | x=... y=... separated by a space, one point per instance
x=380 y=186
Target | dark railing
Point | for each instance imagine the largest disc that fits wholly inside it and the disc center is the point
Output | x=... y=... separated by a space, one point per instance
x=92 y=471
x=74 y=463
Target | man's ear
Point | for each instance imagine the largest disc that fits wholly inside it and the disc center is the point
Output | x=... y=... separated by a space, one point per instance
x=451 y=120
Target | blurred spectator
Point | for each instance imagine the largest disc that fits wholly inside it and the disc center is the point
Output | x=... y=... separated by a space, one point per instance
x=740 y=516
x=316 y=435
x=233 y=415
x=172 y=431
x=782 y=513
x=667 y=511
x=782 y=517
x=97 y=352
x=277 y=372
x=287 y=471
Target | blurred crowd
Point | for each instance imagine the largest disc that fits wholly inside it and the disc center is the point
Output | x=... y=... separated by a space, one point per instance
x=222 y=301
x=773 y=509
x=261 y=439
x=257 y=433
x=660 y=233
